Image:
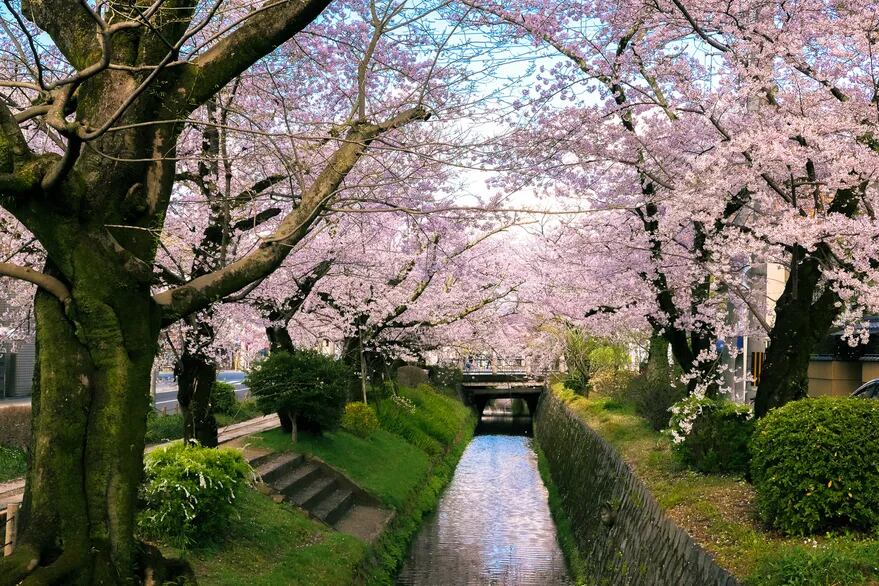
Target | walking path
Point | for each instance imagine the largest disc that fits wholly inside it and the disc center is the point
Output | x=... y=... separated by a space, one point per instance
x=12 y=492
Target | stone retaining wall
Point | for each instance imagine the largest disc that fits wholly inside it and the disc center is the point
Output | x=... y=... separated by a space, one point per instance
x=621 y=532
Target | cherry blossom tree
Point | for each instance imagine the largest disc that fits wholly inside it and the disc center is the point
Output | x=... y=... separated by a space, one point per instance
x=734 y=134
x=94 y=108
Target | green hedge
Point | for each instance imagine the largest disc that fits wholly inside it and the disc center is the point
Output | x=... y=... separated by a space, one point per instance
x=814 y=465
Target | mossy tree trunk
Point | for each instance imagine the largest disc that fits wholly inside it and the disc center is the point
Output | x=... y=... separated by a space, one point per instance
x=97 y=211
x=91 y=396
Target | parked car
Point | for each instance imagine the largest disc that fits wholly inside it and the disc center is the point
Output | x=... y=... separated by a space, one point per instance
x=868 y=390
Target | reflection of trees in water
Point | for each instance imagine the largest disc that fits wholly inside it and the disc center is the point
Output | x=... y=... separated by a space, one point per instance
x=493 y=524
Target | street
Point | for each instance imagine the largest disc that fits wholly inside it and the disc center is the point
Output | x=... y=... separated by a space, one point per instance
x=166 y=388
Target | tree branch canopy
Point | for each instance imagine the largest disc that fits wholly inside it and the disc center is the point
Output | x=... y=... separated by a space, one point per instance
x=204 y=290
x=263 y=32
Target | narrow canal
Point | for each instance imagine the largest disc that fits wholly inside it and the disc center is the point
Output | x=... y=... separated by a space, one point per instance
x=493 y=524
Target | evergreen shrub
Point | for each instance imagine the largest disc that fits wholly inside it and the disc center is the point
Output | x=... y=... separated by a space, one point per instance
x=188 y=494
x=814 y=465
x=712 y=435
x=223 y=399
x=653 y=394
x=311 y=386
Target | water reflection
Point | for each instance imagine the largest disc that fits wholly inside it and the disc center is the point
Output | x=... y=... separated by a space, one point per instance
x=493 y=524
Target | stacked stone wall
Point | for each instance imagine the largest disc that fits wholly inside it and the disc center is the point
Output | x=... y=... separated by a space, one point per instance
x=619 y=528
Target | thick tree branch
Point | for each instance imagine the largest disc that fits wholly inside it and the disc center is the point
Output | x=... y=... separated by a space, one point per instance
x=203 y=290
x=70 y=25
x=259 y=35
x=42 y=280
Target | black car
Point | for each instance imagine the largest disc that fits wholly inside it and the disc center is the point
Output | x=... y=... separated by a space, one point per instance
x=868 y=390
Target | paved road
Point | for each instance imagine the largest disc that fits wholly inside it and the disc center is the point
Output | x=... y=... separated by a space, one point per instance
x=166 y=388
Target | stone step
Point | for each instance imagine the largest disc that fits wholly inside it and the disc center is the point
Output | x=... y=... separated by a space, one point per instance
x=334 y=506
x=275 y=467
x=295 y=479
x=309 y=495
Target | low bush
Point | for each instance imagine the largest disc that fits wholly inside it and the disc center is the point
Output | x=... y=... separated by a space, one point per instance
x=423 y=417
x=15 y=426
x=223 y=399
x=360 y=419
x=712 y=435
x=577 y=381
x=652 y=394
x=814 y=465
x=304 y=385
x=188 y=493
x=611 y=383
x=162 y=428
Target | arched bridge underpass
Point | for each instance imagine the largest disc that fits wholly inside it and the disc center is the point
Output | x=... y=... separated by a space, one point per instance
x=478 y=388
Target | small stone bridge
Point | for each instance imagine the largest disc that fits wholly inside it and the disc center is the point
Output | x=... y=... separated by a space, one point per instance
x=478 y=387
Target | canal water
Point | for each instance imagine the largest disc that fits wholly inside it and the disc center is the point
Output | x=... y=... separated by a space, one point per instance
x=492 y=525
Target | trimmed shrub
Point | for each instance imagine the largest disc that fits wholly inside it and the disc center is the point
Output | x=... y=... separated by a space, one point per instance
x=15 y=426
x=223 y=399
x=310 y=386
x=712 y=435
x=360 y=419
x=814 y=465
x=652 y=394
x=188 y=493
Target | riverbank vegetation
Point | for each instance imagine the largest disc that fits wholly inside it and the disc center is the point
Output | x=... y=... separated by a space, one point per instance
x=274 y=543
x=720 y=511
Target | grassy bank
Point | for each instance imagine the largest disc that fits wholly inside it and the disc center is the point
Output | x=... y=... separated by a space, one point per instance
x=274 y=543
x=719 y=512
x=405 y=464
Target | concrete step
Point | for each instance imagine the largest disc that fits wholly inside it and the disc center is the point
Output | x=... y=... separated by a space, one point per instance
x=296 y=478
x=309 y=495
x=275 y=467
x=334 y=506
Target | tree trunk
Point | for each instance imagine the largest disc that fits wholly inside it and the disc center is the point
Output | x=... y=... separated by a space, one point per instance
x=294 y=429
x=363 y=374
x=194 y=385
x=90 y=403
x=279 y=339
x=801 y=321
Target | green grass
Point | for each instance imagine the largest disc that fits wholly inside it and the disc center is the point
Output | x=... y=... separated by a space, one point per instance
x=384 y=464
x=273 y=543
x=13 y=463
x=406 y=465
x=719 y=513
